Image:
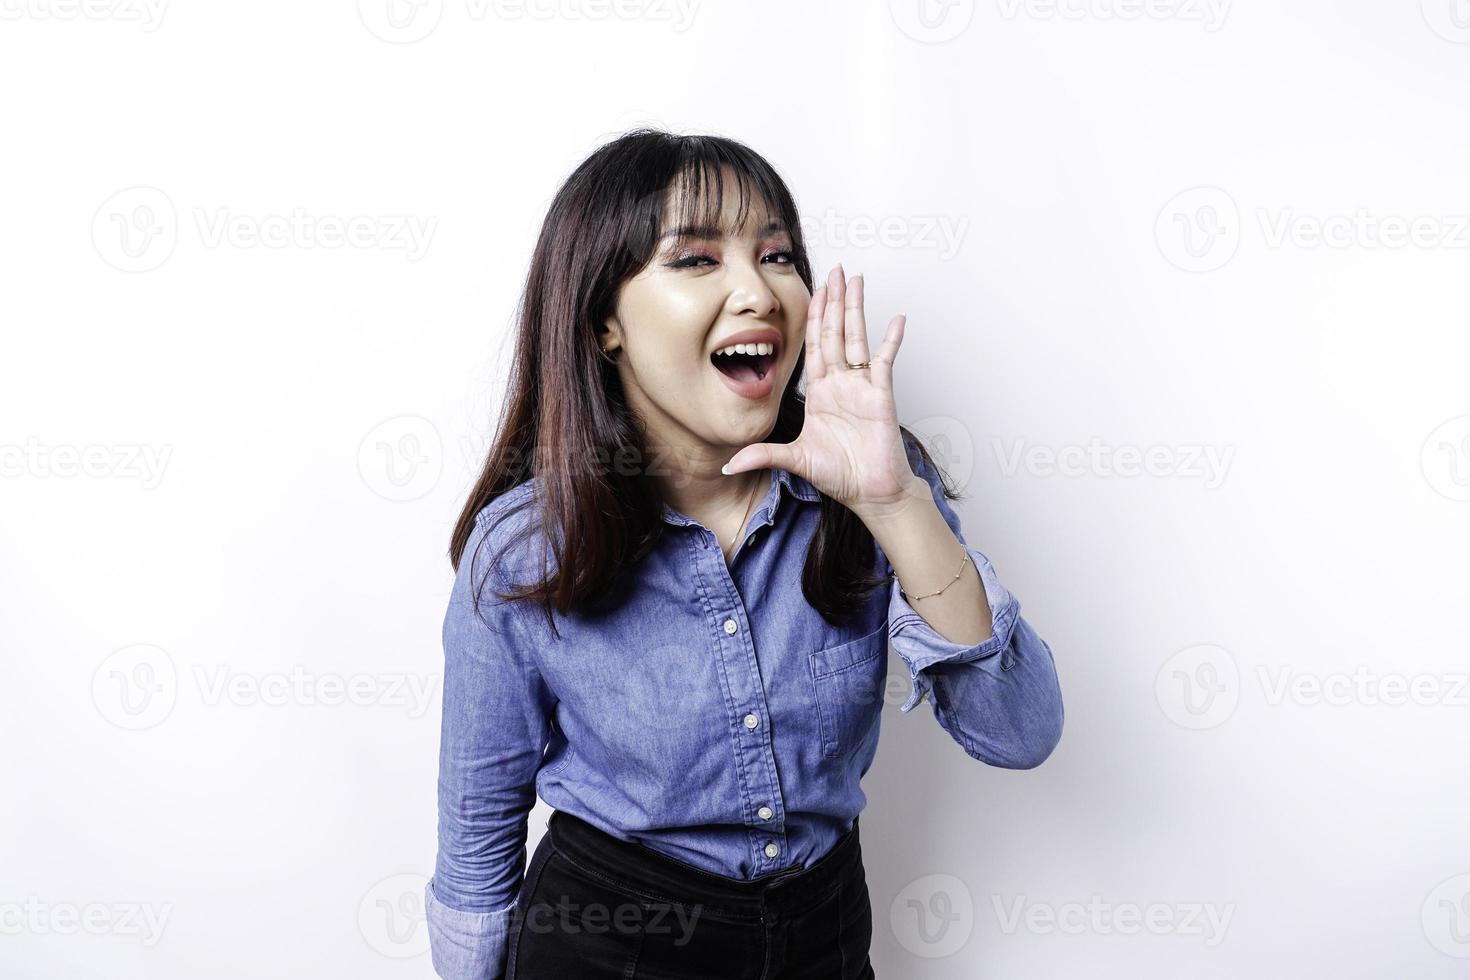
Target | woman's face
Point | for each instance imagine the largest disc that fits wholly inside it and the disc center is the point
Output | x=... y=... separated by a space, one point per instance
x=737 y=285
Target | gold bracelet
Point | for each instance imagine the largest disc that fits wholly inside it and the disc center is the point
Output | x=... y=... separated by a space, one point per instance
x=914 y=598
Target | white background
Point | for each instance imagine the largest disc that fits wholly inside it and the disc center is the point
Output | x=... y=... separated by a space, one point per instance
x=233 y=449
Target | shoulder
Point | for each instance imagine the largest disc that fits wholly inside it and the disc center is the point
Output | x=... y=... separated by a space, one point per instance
x=508 y=538
x=508 y=505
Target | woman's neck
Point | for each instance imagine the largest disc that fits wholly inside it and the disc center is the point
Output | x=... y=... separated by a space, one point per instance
x=707 y=493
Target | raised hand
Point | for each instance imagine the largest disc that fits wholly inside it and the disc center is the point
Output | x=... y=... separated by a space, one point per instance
x=850 y=447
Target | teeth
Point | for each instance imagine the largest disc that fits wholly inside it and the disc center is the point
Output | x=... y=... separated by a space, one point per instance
x=748 y=349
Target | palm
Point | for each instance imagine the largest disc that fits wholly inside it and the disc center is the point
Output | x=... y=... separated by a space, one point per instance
x=849 y=447
x=850 y=438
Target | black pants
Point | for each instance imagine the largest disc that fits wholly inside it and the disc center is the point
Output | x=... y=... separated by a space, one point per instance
x=593 y=907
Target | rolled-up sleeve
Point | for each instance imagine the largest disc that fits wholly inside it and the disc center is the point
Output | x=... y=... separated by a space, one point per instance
x=496 y=723
x=999 y=699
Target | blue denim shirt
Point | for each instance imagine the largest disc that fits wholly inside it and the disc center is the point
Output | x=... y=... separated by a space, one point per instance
x=716 y=717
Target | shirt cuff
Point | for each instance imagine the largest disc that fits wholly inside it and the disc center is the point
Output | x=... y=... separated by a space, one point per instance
x=466 y=945
x=919 y=645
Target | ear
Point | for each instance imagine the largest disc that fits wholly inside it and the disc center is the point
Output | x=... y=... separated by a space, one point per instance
x=610 y=336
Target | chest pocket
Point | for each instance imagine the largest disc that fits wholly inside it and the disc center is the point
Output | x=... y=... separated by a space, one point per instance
x=848 y=680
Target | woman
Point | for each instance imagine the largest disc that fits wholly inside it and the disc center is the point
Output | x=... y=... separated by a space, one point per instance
x=717 y=559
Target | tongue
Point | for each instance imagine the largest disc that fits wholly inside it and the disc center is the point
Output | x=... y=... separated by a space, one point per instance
x=738 y=367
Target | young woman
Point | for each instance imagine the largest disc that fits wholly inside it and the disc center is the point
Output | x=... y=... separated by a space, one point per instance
x=677 y=579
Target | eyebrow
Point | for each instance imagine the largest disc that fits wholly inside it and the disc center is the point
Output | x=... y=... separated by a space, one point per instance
x=707 y=233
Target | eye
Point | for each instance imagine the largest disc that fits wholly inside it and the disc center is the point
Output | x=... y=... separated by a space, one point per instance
x=695 y=258
x=689 y=261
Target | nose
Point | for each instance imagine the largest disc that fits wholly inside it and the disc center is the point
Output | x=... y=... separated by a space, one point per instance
x=749 y=292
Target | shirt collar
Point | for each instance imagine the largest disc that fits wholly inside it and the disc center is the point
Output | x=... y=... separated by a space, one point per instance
x=797 y=487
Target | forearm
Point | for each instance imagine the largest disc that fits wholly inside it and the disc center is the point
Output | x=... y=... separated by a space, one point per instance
x=925 y=554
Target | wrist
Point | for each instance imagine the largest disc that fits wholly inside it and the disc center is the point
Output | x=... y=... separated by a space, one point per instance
x=913 y=501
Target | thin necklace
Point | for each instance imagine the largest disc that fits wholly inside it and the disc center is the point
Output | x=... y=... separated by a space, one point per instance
x=757 y=483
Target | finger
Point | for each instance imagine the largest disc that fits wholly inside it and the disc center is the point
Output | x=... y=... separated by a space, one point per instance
x=887 y=351
x=855 y=328
x=815 y=365
x=832 y=320
x=781 y=455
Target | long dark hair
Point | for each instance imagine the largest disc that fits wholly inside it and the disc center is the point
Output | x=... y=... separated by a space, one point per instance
x=565 y=418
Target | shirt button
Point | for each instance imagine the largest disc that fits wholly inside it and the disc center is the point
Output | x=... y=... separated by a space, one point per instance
x=772 y=850
x=765 y=812
x=751 y=721
x=731 y=626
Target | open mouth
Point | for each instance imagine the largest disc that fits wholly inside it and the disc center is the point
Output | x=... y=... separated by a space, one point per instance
x=746 y=365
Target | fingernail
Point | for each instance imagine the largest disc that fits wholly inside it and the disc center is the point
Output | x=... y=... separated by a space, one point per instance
x=725 y=469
